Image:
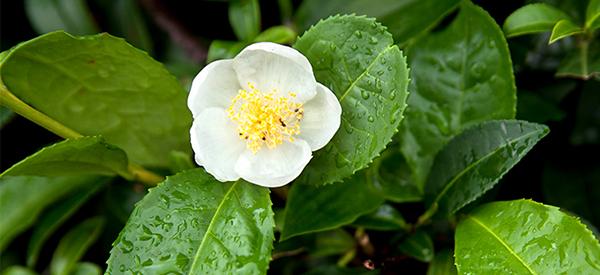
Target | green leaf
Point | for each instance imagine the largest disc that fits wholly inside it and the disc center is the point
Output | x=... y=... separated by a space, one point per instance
x=74 y=245
x=53 y=218
x=6 y=116
x=355 y=57
x=244 y=16
x=584 y=63
x=474 y=161
x=82 y=156
x=337 y=270
x=313 y=208
x=277 y=34
x=193 y=224
x=533 y=18
x=564 y=28
x=22 y=199
x=532 y=107
x=385 y=218
x=391 y=176
x=320 y=244
x=126 y=20
x=18 y=270
x=405 y=19
x=419 y=246
x=102 y=85
x=524 y=237
x=180 y=161
x=592 y=15
x=86 y=269
x=72 y=16
x=461 y=76
x=220 y=49
x=442 y=264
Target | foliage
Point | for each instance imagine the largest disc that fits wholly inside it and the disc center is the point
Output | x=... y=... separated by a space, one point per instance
x=454 y=114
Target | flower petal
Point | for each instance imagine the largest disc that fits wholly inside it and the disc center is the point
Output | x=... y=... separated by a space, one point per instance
x=322 y=117
x=274 y=167
x=271 y=66
x=215 y=86
x=216 y=144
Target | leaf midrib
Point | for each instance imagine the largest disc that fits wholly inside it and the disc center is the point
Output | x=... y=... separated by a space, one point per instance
x=508 y=248
x=475 y=163
x=210 y=226
x=347 y=91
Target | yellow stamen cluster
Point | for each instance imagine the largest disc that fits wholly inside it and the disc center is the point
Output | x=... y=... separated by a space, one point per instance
x=265 y=118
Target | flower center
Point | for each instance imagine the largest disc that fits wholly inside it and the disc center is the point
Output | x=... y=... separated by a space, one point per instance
x=265 y=118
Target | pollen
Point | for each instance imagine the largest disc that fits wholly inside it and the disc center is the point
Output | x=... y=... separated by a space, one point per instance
x=266 y=119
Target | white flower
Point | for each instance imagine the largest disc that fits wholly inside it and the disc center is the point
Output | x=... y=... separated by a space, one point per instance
x=260 y=115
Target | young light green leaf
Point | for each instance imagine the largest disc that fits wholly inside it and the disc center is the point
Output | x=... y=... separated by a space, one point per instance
x=533 y=18
x=442 y=264
x=397 y=15
x=313 y=208
x=592 y=15
x=54 y=218
x=86 y=269
x=524 y=237
x=86 y=155
x=277 y=34
x=74 y=245
x=355 y=57
x=18 y=270
x=22 y=199
x=193 y=224
x=474 y=161
x=461 y=76
x=564 y=28
x=244 y=17
x=385 y=218
x=73 y=16
x=221 y=49
x=419 y=246
x=102 y=85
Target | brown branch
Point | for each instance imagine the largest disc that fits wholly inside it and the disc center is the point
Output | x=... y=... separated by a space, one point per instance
x=176 y=31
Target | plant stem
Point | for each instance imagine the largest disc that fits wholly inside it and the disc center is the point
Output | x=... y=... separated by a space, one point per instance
x=137 y=173
x=584 y=56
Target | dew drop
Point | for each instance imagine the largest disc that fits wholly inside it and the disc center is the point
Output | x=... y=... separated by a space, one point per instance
x=348 y=129
x=370 y=119
x=358 y=34
x=354 y=47
x=393 y=94
x=373 y=40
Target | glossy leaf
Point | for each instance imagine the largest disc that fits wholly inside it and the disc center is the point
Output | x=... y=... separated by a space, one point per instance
x=355 y=57
x=474 y=161
x=73 y=16
x=397 y=15
x=564 y=28
x=244 y=16
x=592 y=15
x=442 y=264
x=193 y=224
x=22 y=199
x=533 y=18
x=391 y=176
x=524 y=237
x=419 y=246
x=86 y=155
x=319 y=244
x=74 y=245
x=54 y=218
x=102 y=85
x=86 y=269
x=460 y=76
x=312 y=208
x=385 y=218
